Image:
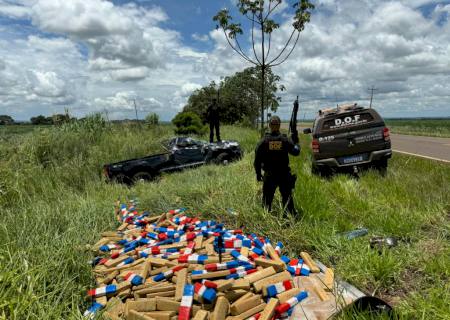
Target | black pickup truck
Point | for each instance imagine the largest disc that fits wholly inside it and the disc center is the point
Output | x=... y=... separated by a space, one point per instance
x=182 y=152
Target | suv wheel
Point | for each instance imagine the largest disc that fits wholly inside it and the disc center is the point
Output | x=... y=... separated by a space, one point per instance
x=321 y=171
x=222 y=159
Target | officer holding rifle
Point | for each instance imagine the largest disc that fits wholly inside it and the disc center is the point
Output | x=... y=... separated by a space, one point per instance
x=272 y=156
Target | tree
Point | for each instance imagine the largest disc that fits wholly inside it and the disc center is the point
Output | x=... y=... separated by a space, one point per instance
x=59 y=118
x=6 y=120
x=187 y=123
x=259 y=12
x=152 y=119
x=238 y=96
x=40 y=119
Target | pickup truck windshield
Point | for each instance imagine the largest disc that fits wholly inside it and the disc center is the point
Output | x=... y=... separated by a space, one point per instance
x=349 y=120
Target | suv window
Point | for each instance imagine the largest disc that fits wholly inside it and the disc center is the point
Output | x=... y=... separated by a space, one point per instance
x=349 y=120
x=314 y=127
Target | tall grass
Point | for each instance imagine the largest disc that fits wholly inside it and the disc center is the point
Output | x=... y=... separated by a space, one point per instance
x=54 y=201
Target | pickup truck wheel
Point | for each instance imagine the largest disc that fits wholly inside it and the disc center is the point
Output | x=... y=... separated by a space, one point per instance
x=324 y=172
x=381 y=166
x=222 y=159
x=142 y=176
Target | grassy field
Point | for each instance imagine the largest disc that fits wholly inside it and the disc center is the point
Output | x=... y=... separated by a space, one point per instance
x=7 y=131
x=421 y=127
x=53 y=202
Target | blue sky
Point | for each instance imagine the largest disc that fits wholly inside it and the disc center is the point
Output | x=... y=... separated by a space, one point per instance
x=98 y=55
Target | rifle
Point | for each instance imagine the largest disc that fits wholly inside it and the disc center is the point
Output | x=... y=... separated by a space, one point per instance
x=293 y=123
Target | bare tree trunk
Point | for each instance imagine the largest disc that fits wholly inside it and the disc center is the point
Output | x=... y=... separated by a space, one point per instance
x=263 y=67
x=263 y=76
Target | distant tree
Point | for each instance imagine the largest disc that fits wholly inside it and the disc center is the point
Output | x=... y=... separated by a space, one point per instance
x=6 y=120
x=188 y=123
x=40 y=119
x=259 y=12
x=239 y=96
x=59 y=119
x=200 y=99
x=152 y=119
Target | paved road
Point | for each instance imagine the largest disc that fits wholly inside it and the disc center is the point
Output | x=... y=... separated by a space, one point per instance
x=425 y=147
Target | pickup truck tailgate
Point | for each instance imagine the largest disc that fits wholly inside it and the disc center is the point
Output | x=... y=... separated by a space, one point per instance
x=353 y=142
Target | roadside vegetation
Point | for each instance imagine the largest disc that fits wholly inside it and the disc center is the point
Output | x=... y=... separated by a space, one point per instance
x=421 y=127
x=6 y=131
x=54 y=202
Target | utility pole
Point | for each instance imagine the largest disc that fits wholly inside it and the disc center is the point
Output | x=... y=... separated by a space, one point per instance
x=135 y=109
x=371 y=96
x=335 y=99
x=106 y=114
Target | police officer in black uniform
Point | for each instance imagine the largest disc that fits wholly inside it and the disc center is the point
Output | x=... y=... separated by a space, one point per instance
x=212 y=115
x=272 y=155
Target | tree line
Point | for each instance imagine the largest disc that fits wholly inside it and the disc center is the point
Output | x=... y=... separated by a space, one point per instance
x=58 y=119
x=238 y=97
x=40 y=119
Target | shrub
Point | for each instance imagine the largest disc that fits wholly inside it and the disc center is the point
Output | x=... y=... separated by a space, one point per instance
x=90 y=127
x=152 y=119
x=188 y=123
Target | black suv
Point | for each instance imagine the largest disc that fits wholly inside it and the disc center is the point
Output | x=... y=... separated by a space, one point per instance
x=348 y=138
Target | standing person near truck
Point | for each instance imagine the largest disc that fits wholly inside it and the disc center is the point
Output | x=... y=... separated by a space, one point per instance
x=212 y=115
x=272 y=156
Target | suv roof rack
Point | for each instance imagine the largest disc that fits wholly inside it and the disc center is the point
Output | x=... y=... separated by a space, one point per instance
x=340 y=109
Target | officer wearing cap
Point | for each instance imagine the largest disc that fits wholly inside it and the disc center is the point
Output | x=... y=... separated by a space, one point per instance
x=272 y=156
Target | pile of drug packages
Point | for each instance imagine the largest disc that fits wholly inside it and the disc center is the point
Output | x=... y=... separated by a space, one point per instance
x=172 y=266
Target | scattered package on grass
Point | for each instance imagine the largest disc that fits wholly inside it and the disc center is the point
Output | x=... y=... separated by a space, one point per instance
x=172 y=266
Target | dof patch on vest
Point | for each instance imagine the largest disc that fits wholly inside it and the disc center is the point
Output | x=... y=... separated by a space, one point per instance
x=275 y=145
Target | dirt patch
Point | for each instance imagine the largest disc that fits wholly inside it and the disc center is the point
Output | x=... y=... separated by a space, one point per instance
x=407 y=284
x=430 y=247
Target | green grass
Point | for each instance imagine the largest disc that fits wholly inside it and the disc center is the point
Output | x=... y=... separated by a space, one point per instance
x=421 y=127
x=16 y=129
x=54 y=202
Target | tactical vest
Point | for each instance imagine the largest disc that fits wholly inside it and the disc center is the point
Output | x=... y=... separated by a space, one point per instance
x=275 y=156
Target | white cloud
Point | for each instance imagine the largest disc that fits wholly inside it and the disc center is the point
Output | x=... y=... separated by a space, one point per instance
x=46 y=84
x=190 y=53
x=117 y=36
x=83 y=19
x=188 y=88
x=200 y=37
x=39 y=72
x=397 y=19
x=419 y=3
x=130 y=74
x=121 y=105
x=18 y=10
x=120 y=101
